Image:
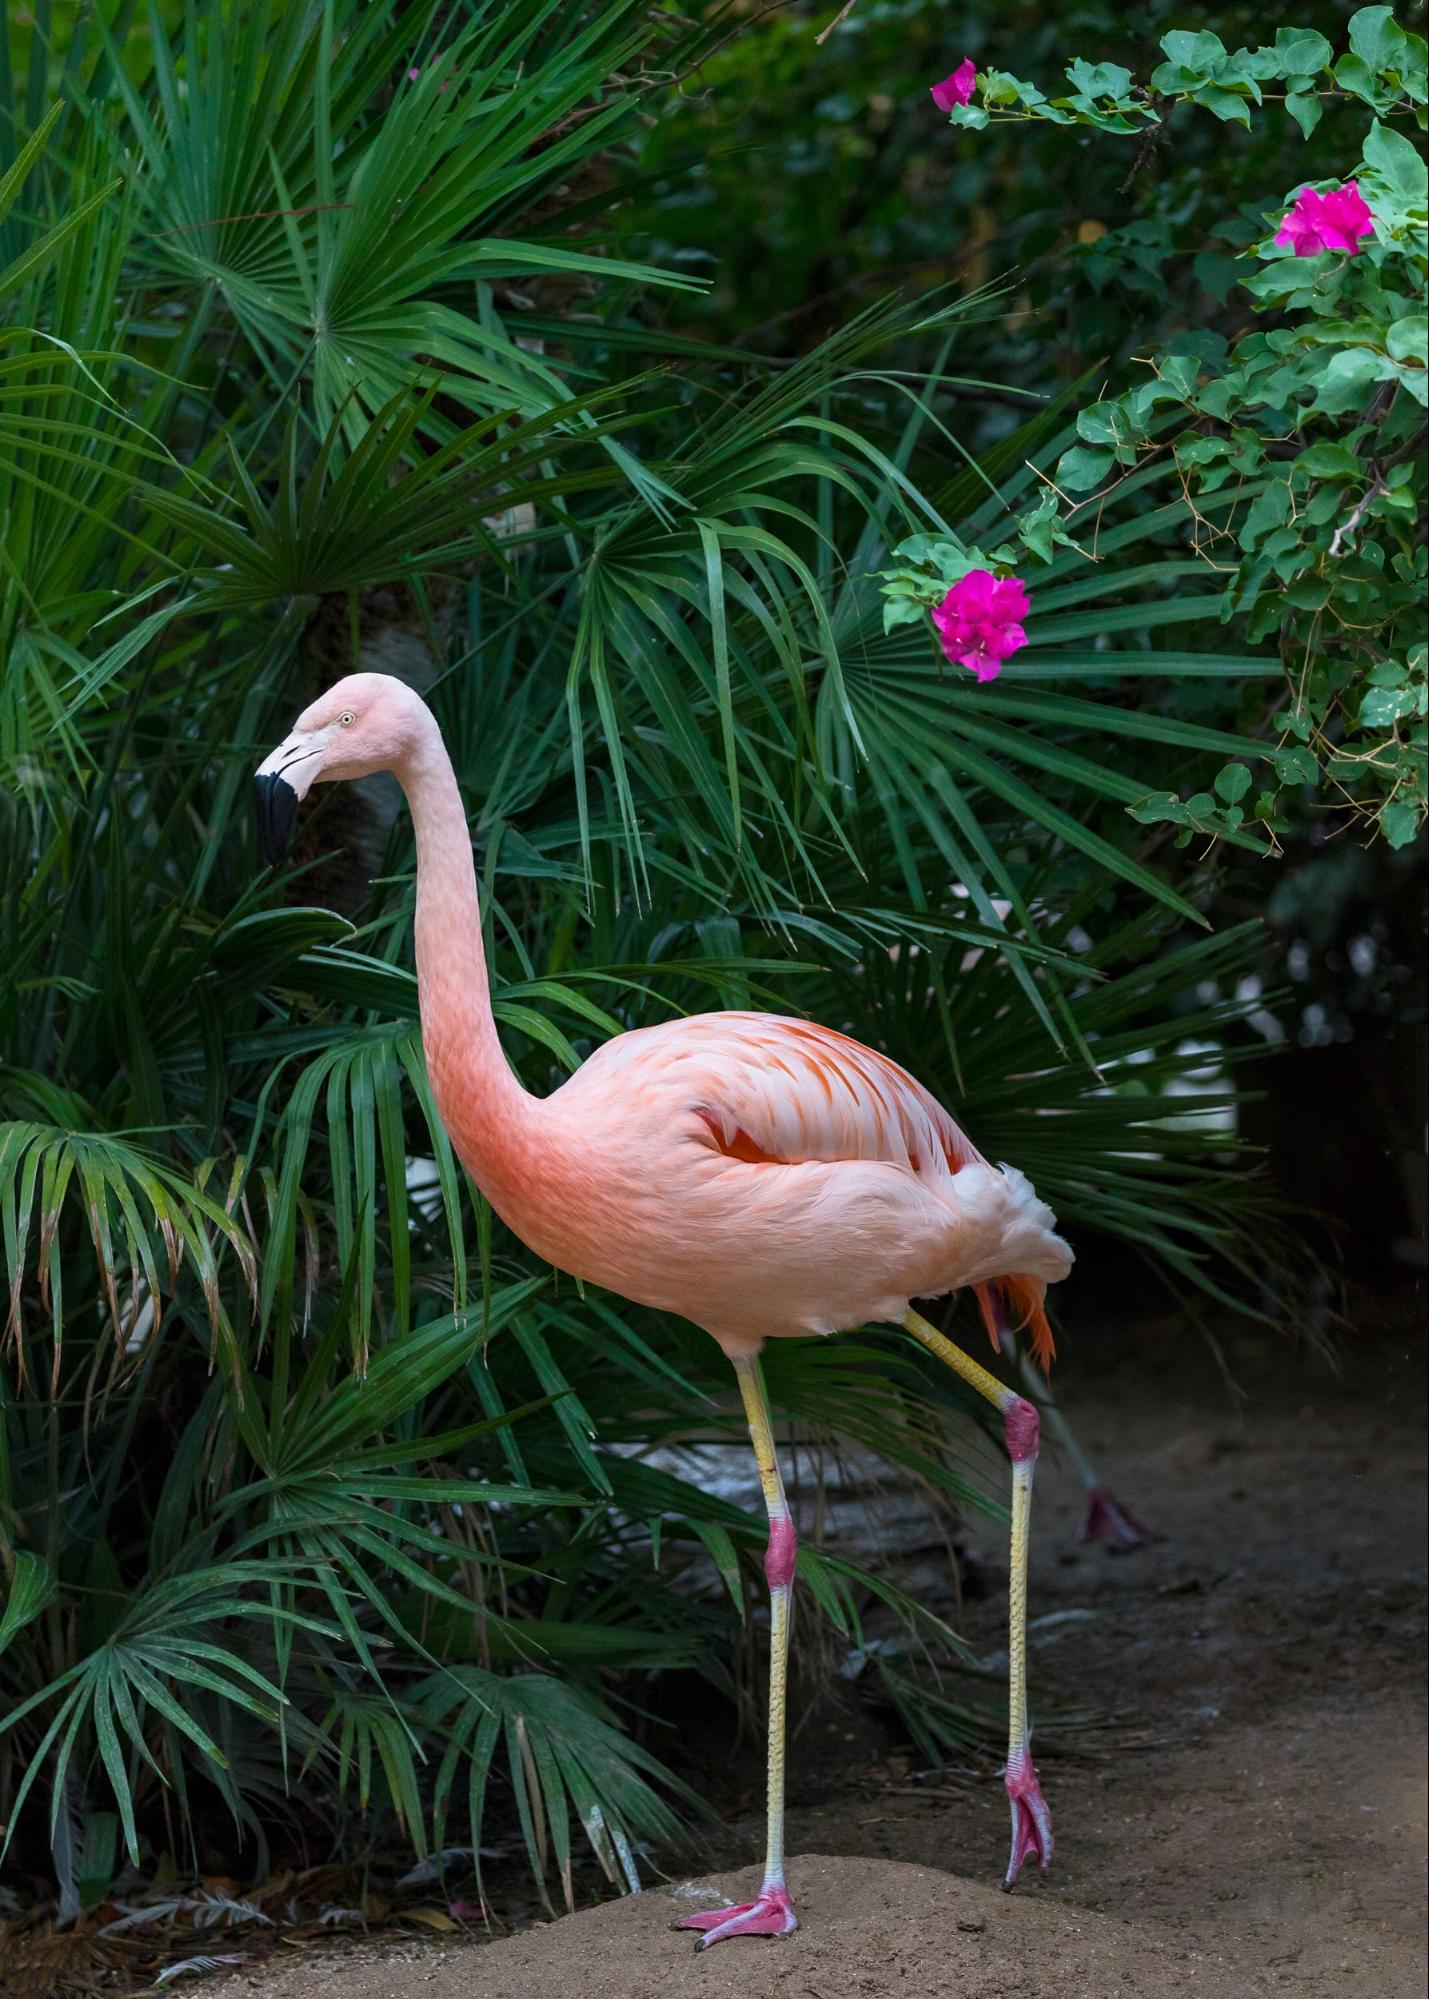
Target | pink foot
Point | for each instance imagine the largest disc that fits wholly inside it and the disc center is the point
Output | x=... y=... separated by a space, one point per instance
x=1106 y=1519
x=771 y=1916
x=1031 y=1820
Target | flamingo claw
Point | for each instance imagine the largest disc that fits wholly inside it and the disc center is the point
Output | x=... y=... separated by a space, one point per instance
x=771 y=1915
x=1031 y=1820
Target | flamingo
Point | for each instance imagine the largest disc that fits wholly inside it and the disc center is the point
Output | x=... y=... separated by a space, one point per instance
x=763 y=1177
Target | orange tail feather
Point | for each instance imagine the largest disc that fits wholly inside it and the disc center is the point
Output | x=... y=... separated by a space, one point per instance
x=1017 y=1299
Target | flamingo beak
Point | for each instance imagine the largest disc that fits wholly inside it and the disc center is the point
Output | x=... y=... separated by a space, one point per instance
x=283 y=780
x=277 y=810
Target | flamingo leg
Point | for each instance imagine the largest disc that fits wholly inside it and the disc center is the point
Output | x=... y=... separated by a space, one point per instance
x=1105 y=1518
x=1031 y=1821
x=771 y=1914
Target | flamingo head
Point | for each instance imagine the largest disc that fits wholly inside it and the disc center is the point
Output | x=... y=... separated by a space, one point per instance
x=368 y=722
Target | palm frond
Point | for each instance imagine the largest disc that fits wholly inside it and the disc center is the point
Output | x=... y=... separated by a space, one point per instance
x=563 y=1755
x=145 y=1222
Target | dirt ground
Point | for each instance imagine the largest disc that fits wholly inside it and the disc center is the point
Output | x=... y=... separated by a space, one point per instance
x=1264 y=1829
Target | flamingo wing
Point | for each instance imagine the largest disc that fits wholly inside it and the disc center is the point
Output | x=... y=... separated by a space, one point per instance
x=789 y=1091
x=770 y=1092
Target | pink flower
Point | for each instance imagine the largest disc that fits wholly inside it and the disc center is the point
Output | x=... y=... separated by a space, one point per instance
x=1333 y=221
x=979 y=622
x=957 y=88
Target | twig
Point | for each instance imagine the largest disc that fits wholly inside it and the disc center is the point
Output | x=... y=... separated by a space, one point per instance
x=1346 y=528
x=842 y=15
x=253 y=215
x=1145 y=154
x=672 y=82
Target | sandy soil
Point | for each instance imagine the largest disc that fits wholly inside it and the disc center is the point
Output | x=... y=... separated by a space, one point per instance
x=1270 y=1839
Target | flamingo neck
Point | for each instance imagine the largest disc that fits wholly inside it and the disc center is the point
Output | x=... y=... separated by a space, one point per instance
x=489 y=1117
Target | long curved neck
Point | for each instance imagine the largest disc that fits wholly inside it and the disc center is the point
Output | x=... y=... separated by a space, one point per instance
x=491 y=1120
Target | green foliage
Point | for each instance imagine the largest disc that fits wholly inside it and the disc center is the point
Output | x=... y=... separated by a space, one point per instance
x=925 y=568
x=1317 y=421
x=1383 y=67
x=312 y=1486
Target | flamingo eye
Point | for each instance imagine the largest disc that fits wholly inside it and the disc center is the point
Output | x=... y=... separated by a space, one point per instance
x=346 y=719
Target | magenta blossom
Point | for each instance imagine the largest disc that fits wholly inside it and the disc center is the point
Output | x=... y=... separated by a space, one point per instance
x=1333 y=221
x=957 y=88
x=979 y=622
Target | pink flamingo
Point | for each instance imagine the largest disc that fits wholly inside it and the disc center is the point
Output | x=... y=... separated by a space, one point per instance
x=762 y=1177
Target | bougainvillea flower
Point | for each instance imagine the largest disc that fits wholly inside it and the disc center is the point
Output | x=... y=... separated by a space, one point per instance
x=957 y=88
x=1333 y=221
x=979 y=622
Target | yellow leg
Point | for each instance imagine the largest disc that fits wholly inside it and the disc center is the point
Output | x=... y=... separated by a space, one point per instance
x=1031 y=1823
x=771 y=1914
x=779 y=1568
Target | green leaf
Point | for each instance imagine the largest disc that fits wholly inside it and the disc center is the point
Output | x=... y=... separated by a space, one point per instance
x=1382 y=707
x=1225 y=105
x=1103 y=79
x=1199 y=51
x=1302 y=52
x=1233 y=782
x=1357 y=79
x=1400 y=822
x=903 y=611
x=1328 y=460
x=1408 y=339
x=1080 y=468
x=1397 y=160
x=1041 y=531
x=31 y=1590
x=1348 y=379
x=1295 y=764
x=1306 y=108
x=1377 y=39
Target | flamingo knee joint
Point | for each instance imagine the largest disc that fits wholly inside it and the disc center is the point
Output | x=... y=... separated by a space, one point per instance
x=1022 y=1427
x=781 y=1555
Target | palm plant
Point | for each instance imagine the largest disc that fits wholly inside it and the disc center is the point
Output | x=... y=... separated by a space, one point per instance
x=313 y=1491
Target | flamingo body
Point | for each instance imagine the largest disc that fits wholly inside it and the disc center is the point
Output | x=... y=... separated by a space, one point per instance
x=762 y=1177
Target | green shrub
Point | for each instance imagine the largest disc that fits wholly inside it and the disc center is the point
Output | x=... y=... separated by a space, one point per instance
x=320 y=1504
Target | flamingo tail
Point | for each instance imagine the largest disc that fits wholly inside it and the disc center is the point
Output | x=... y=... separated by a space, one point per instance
x=1017 y=1302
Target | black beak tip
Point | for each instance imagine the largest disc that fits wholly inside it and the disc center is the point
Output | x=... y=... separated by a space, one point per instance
x=277 y=810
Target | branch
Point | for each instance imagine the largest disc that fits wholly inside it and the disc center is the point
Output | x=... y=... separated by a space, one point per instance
x=1362 y=506
x=842 y=15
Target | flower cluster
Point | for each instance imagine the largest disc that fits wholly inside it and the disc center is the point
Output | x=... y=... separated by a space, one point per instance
x=957 y=88
x=979 y=622
x=1333 y=221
